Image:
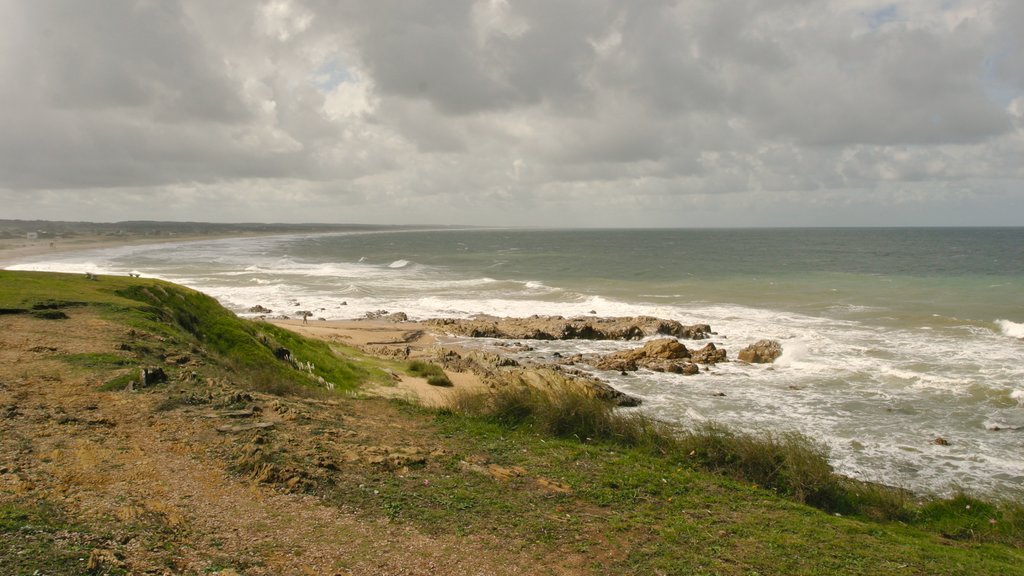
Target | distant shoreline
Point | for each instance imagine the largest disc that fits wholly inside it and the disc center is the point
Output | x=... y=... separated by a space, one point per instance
x=14 y=251
x=24 y=239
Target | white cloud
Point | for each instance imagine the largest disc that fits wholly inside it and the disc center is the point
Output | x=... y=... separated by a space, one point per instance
x=501 y=111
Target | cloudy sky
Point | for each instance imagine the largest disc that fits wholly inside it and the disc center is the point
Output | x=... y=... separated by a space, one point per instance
x=507 y=112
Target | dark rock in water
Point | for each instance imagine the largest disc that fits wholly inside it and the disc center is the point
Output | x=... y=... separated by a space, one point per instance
x=940 y=441
x=761 y=352
x=627 y=401
x=258 y=309
x=709 y=354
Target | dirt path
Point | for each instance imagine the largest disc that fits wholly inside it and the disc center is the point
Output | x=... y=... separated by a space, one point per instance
x=158 y=480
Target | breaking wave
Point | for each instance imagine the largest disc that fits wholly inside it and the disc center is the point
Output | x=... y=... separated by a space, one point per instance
x=1012 y=329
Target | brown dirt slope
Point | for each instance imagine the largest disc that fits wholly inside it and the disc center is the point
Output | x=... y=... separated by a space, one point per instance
x=154 y=487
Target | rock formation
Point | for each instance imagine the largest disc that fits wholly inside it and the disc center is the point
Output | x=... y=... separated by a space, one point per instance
x=579 y=328
x=662 y=355
x=761 y=352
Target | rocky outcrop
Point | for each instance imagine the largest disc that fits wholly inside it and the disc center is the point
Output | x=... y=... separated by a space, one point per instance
x=259 y=309
x=663 y=355
x=761 y=352
x=498 y=371
x=579 y=328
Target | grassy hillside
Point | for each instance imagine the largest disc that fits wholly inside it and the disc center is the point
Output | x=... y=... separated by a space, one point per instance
x=269 y=357
x=314 y=478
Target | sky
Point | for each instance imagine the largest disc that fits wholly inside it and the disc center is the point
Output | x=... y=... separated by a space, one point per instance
x=577 y=113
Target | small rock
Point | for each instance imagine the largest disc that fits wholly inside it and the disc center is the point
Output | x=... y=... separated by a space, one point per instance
x=940 y=441
x=151 y=376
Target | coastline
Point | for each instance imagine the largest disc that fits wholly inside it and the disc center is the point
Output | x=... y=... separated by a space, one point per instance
x=475 y=368
x=13 y=251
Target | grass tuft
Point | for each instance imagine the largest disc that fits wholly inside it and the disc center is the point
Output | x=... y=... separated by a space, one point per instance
x=788 y=463
x=568 y=414
x=432 y=372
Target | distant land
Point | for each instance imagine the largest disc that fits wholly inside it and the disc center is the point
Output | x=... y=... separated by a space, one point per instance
x=61 y=229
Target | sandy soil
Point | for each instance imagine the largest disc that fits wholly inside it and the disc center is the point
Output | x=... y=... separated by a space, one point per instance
x=399 y=340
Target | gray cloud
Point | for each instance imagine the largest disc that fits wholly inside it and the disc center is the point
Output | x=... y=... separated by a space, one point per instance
x=514 y=112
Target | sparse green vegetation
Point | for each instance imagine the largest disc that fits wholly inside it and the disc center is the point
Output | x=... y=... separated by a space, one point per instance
x=35 y=539
x=119 y=382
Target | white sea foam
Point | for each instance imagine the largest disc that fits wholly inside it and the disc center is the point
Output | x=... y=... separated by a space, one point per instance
x=399 y=264
x=74 y=267
x=1018 y=395
x=1010 y=328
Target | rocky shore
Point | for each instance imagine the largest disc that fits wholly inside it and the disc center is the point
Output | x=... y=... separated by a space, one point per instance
x=502 y=356
x=578 y=328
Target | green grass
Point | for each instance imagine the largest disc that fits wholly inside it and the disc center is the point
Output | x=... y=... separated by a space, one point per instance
x=176 y=317
x=120 y=382
x=432 y=372
x=634 y=510
x=788 y=465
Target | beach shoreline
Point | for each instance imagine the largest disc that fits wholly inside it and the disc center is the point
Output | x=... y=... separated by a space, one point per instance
x=13 y=251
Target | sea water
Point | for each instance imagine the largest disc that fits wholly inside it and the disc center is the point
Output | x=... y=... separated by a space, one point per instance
x=892 y=337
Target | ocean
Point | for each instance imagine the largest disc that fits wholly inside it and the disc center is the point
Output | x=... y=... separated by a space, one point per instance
x=892 y=337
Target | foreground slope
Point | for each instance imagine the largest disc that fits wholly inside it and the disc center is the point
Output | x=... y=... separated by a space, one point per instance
x=261 y=454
